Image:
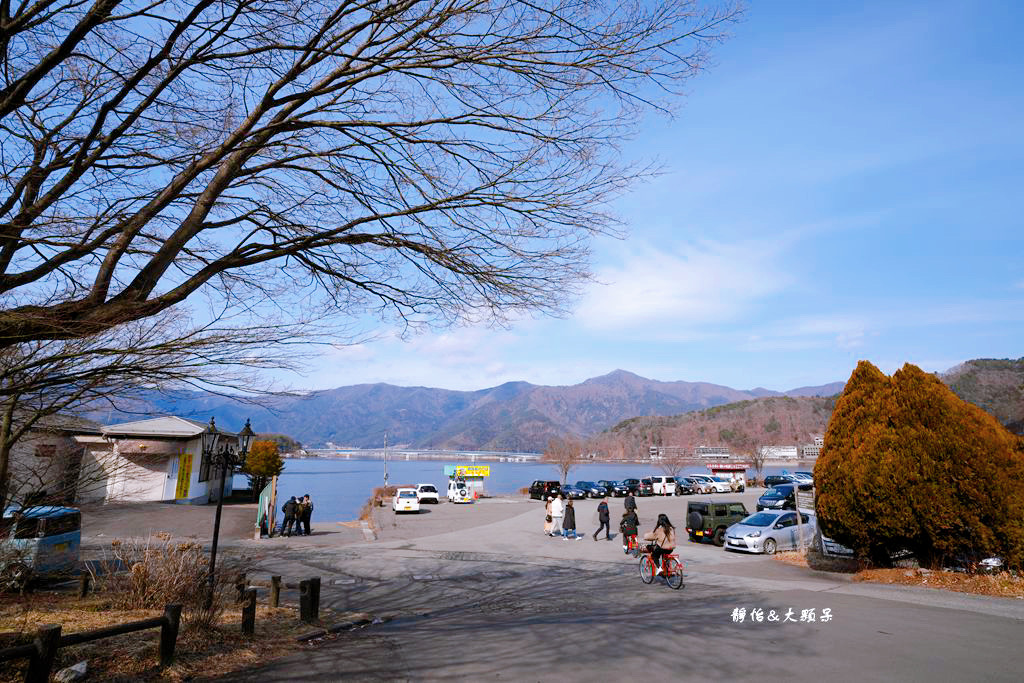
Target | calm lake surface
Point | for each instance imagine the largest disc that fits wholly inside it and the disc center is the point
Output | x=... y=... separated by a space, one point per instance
x=339 y=487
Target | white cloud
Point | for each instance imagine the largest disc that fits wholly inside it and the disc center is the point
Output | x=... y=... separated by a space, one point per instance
x=682 y=288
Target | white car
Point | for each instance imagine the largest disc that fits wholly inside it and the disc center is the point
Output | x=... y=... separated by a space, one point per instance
x=405 y=500
x=769 y=531
x=663 y=486
x=427 y=493
x=709 y=484
x=458 y=492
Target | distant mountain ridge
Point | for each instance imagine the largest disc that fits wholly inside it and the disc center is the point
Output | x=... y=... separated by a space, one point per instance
x=513 y=416
x=996 y=386
x=520 y=416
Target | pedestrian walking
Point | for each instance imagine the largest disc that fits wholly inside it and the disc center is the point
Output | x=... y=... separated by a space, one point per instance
x=628 y=526
x=307 y=512
x=547 y=515
x=603 y=518
x=569 y=523
x=630 y=502
x=557 y=512
x=289 y=510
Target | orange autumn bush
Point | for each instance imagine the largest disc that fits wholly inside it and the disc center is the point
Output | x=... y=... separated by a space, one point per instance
x=907 y=465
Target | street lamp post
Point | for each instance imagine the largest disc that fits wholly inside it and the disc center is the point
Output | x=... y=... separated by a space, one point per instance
x=226 y=459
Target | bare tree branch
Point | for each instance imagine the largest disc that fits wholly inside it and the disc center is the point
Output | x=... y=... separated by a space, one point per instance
x=423 y=161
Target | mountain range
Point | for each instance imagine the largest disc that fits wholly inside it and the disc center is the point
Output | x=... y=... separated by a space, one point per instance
x=515 y=416
x=519 y=416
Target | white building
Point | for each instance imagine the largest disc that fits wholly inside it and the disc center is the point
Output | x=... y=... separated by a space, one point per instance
x=780 y=452
x=812 y=451
x=719 y=452
x=159 y=459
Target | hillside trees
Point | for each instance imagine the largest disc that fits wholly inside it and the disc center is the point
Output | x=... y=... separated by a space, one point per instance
x=908 y=465
x=420 y=161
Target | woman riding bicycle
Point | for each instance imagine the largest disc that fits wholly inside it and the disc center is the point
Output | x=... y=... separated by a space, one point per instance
x=664 y=537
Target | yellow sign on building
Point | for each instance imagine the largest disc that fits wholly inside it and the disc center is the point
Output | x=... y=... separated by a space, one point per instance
x=473 y=470
x=184 y=475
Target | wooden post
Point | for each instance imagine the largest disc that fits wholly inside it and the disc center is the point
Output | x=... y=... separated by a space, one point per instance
x=315 y=585
x=47 y=643
x=249 y=612
x=240 y=587
x=169 y=634
x=309 y=600
x=305 y=603
x=275 y=591
x=83 y=585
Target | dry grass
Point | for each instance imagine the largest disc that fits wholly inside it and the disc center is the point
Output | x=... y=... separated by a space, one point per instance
x=200 y=652
x=1004 y=584
x=812 y=559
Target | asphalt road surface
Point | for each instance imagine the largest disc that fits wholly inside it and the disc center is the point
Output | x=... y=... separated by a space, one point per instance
x=479 y=593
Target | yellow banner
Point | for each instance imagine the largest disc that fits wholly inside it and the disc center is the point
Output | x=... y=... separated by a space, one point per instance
x=184 y=475
x=473 y=470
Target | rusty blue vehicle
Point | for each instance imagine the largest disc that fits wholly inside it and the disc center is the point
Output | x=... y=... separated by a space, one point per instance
x=42 y=541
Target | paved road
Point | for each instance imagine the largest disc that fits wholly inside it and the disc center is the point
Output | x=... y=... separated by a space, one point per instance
x=500 y=601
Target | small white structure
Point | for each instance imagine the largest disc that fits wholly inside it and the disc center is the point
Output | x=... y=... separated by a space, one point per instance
x=780 y=453
x=714 y=452
x=812 y=451
x=159 y=459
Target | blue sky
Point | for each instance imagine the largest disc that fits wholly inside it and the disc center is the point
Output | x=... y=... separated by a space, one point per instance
x=843 y=184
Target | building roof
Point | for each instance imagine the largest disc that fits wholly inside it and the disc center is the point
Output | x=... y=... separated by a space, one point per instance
x=169 y=426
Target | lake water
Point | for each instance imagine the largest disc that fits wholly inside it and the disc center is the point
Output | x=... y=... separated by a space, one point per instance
x=340 y=487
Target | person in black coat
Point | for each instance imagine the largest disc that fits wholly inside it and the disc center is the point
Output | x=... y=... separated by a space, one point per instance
x=289 y=510
x=569 y=522
x=630 y=502
x=603 y=518
x=628 y=526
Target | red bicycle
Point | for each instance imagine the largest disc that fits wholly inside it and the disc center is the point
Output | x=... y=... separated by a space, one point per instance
x=672 y=569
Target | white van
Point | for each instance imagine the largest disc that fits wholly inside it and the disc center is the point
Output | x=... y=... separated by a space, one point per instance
x=663 y=486
x=458 y=492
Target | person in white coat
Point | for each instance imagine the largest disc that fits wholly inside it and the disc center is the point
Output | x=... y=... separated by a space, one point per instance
x=557 y=512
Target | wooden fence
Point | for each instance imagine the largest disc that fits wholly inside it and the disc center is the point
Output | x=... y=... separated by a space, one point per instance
x=48 y=640
x=43 y=650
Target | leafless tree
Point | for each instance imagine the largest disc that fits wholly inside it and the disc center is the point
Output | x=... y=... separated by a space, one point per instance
x=43 y=384
x=564 y=453
x=423 y=161
x=673 y=460
x=755 y=446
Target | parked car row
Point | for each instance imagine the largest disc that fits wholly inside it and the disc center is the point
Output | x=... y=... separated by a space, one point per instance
x=658 y=485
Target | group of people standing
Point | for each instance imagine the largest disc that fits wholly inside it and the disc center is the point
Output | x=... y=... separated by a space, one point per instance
x=560 y=520
x=297 y=512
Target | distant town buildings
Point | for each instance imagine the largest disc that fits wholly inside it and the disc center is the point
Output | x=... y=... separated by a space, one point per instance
x=780 y=452
x=711 y=451
x=812 y=451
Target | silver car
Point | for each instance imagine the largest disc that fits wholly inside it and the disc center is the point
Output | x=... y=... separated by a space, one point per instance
x=770 y=530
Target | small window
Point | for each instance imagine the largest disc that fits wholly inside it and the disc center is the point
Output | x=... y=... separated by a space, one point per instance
x=55 y=526
x=27 y=528
x=737 y=509
x=787 y=520
x=719 y=510
x=702 y=508
x=46 y=450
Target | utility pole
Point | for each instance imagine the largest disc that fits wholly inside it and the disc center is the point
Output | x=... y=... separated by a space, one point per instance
x=385 y=459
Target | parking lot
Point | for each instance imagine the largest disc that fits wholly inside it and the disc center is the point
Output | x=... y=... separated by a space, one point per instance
x=501 y=601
